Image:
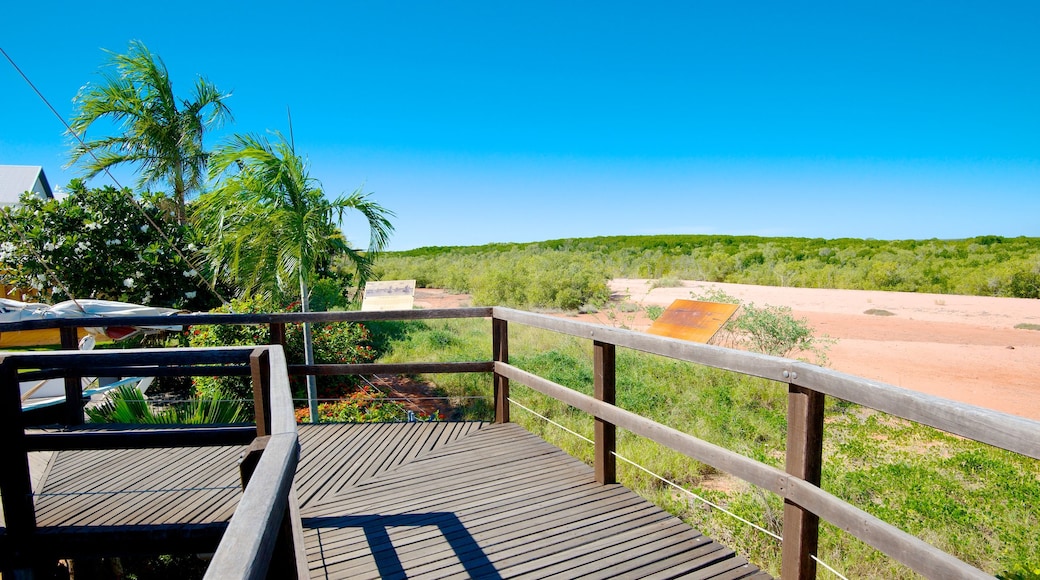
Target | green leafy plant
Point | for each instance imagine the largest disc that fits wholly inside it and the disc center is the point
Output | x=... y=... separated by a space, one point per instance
x=654 y=312
x=126 y=404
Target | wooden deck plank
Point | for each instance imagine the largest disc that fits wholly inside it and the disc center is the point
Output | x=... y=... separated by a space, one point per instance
x=422 y=500
x=515 y=505
x=125 y=488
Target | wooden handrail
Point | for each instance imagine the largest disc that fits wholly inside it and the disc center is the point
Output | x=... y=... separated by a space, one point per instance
x=248 y=544
x=995 y=428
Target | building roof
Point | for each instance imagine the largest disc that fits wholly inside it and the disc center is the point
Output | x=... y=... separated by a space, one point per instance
x=17 y=179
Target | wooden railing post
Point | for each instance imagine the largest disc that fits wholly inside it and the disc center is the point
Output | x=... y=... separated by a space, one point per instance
x=73 y=383
x=15 y=484
x=500 y=346
x=604 y=390
x=260 y=367
x=805 y=461
x=277 y=333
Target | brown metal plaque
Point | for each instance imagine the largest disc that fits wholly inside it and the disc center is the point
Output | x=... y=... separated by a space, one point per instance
x=692 y=320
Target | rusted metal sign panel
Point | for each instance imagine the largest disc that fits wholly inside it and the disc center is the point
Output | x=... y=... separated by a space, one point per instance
x=692 y=320
x=389 y=295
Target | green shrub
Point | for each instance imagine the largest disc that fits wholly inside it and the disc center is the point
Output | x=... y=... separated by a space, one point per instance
x=1023 y=285
x=654 y=312
x=328 y=294
x=971 y=266
x=769 y=329
x=334 y=343
x=774 y=330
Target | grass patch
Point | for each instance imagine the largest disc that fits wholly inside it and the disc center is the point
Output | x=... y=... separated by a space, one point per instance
x=668 y=282
x=1028 y=326
x=878 y=312
x=979 y=503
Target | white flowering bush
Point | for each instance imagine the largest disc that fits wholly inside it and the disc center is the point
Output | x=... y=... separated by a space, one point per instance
x=99 y=245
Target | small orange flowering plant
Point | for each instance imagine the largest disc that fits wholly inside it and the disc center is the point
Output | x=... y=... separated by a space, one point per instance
x=365 y=405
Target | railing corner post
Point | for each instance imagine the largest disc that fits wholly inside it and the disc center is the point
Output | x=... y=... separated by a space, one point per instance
x=805 y=461
x=604 y=386
x=260 y=368
x=500 y=348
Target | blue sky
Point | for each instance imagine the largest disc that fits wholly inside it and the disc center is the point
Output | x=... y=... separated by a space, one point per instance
x=483 y=122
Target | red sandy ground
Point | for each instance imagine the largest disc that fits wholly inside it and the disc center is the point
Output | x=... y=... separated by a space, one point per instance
x=958 y=347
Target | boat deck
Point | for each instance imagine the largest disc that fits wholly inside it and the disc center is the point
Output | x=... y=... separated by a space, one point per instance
x=415 y=500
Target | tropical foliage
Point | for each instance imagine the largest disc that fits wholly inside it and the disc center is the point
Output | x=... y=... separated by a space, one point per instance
x=159 y=134
x=268 y=226
x=99 y=243
x=126 y=404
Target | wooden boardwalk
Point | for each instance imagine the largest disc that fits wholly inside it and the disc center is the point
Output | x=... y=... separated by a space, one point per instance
x=415 y=500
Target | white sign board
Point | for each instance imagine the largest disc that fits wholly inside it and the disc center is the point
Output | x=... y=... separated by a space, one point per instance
x=389 y=295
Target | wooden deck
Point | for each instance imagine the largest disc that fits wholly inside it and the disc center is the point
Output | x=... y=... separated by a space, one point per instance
x=415 y=500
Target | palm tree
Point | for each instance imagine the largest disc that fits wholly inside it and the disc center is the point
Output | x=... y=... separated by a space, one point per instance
x=269 y=227
x=160 y=135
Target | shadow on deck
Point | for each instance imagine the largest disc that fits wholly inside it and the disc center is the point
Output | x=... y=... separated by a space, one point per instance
x=440 y=500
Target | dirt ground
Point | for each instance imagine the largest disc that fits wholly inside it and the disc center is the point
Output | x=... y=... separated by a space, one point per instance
x=964 y=348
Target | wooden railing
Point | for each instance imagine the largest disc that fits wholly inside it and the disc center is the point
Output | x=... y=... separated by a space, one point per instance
x=807 y=385
x=268 y=506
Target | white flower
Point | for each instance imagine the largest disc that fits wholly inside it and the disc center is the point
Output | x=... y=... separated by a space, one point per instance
x=190 y=273
x=48 y=247
x=144 y=228
x=190 y=295
x=129 y=282
x=192 y=247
